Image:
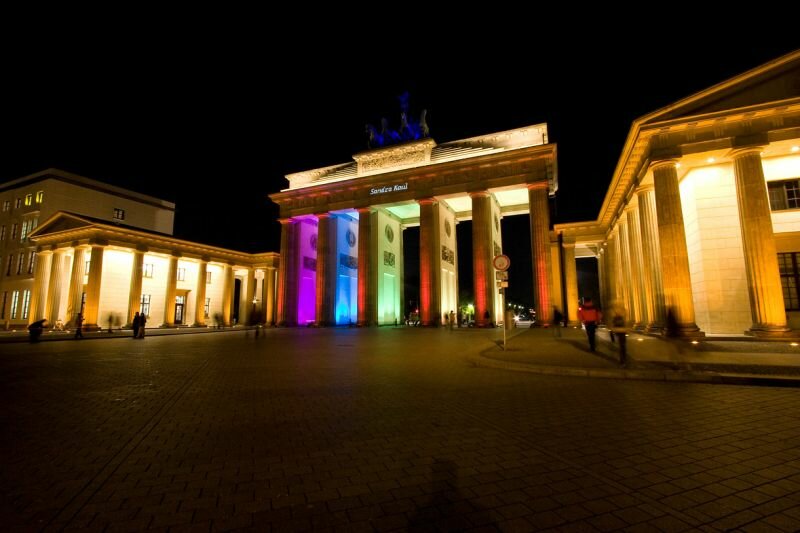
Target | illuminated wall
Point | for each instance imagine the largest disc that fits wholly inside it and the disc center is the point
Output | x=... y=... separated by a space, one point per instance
x=115 y=286
x=346 y=299
x=306 y=270
x=187 y=288
x=783 y=168
x=390 y=268
x=497 y=249
x=714 y=245
x=448 y=256
x=156 y=287
x=214 y=291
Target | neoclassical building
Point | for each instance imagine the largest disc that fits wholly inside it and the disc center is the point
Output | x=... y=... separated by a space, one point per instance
x=701 y=222
x=341 y=240
x=115 y=257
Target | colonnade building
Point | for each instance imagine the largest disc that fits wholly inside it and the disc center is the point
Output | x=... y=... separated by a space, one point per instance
x=701 y=224
x=107 y=253
x=341 y=240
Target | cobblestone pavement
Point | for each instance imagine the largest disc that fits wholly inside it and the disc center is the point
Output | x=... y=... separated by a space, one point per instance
x=376 y=430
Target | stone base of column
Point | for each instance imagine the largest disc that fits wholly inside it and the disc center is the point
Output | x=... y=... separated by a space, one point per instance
x=688 y=331
x=654 y=327
x=168 y=326
x=198 y=325
x=574 y=324
x=90 y=327
x=766 y=332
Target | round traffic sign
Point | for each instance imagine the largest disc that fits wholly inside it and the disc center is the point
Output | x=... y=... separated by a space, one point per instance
x=501 y=262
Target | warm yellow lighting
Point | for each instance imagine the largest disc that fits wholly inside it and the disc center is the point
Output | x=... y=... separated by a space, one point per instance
x=710 y=160
x=640 y=340
x=677 y=165
x=795 y=148
x=695 y=342
x=793 y=344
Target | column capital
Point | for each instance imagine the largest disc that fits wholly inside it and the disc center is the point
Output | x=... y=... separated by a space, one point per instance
x=142 y=248
x=286 y=221
x=427 y=201
x=45 y=252
x=365 y=210
x=663 y=163
x=98 y=243
x=568 y=244
x=479 y=194
x=755 y=149
x=175 y=254
x=645 y=188
x=326 y=214
x=537 y=185
x=632 y=205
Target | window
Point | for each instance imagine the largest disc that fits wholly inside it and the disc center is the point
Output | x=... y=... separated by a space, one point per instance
x=181 y=274
x=13 y=231
x=3 y=308
x=24 y=232
x=33 y=224
x=18 y=203
x=26 y=303
x=10 y=262
x=784 y=194
x=39 y=197
x=28 y=200
x=148 y=270
x=7 y=205
x=20 y=262
x=2 y=233
x=208 y=277
x=87 y=268
x=31 y=261
x=14 y=302
x=787 y=264
x=119 y=214
x=205 y=308
x=144 y=308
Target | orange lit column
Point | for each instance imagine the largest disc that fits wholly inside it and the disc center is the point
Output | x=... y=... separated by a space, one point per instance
x=639 y=312
x=227 y=294
x=54 y=289
x=367 y=279
x=651 y=259
x=200 y=293
x=429 y=270
x=269 y=279
x=614 y=294
x=540 y=250
x=571 y=279
x=602 y=270
x=287 y=274
x=482 y=254
x=625 y=270
x=250 y=299
x=674 y=254
x=135 y=292
x=41 y=277
x=172 y=290
x=326 y=269
x=75 y=296
x=91 y=308
x=760 y=255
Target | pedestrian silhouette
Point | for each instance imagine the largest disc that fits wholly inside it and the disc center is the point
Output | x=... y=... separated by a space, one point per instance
x=137 y=320
x=79 y=326
x=142 y=322
x=589 y=316
x=619 y=331
x=558 y=320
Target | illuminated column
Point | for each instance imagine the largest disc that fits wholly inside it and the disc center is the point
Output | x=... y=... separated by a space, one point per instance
x=249 y=297
x=75 y=296
x=172 y=286
x=540 y=250
x=571 y=278
x=760 y=255
x=601 y=275
x=482 y=254
x=287 y=274
x=613 y=269
x=639 y=311
x=41 y=278
x=651 y=259
x=326 y=270
x=626 y=270
x=429 y=269
x=135 y=293
x=91 y=308
x=269 y=279
x=200 y=293
x=57 y=271
x=367 y=276
x=674 y=255
x=227 y=294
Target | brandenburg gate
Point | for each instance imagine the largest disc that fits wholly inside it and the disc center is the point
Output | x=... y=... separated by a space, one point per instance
x=341 y=227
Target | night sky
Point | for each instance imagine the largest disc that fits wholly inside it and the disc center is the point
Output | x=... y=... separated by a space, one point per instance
x=215 y=127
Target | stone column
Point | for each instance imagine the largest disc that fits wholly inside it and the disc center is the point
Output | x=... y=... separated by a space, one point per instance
x=367 y=276
x=57 y=272
x=326 y=270
x=287 y=274
x=626 y=270
x=651 y=259
x=250 y=298
x=640 y=316
x=200 y=293
x=227 y=295
x=758 y=241
x=92 y=307
x=674 y=255
x=483 y=280
x=41 y=278
x=172 y=289
x=135 y=292
x=269 y=279
x=75 y=296
x=540 y=250
x=601 y=275
x=430 y=285
x=611 y=270
x=571 y=279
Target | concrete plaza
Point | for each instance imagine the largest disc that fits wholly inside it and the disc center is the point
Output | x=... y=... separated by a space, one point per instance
x=377 y=430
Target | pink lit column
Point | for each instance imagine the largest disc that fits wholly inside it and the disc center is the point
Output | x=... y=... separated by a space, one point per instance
x=482 y=253
x=429 y=272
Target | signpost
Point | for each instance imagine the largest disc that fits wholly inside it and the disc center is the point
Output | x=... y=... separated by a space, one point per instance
x=501 y=263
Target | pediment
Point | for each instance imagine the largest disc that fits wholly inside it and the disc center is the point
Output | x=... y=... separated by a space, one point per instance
x=61 y=222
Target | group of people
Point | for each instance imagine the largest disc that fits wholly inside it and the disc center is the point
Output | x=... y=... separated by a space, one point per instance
x=590 y=317
x=139 y=320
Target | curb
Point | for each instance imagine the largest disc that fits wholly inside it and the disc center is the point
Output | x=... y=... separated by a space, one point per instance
x=92 y=336
x=642 y=375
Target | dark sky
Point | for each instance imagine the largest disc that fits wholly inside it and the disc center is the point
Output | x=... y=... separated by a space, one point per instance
x=215 y=126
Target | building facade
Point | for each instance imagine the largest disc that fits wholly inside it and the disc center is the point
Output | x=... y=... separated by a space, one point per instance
x=700 y=228
x=341 y=240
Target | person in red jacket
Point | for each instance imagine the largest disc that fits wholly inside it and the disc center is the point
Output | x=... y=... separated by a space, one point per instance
x=590 y=316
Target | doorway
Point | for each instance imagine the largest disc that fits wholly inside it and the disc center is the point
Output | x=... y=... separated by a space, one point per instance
x=180 y=302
